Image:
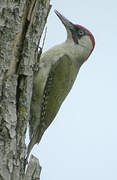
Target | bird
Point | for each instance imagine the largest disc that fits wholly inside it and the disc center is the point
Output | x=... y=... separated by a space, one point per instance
x=58 y=69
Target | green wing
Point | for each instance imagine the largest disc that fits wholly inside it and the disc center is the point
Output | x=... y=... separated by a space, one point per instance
x=58 y=85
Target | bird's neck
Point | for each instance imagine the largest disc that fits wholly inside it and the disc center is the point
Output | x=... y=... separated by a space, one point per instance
x=77 y=53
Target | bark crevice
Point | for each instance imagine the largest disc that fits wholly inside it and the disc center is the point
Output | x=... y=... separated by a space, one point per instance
x=21 y=27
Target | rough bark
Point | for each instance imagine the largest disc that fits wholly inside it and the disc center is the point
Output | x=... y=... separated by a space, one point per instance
x=21 y=26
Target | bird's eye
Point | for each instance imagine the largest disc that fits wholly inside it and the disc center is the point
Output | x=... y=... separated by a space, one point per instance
x=81 y=32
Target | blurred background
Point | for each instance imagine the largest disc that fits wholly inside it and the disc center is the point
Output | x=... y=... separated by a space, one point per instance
x=81 y=143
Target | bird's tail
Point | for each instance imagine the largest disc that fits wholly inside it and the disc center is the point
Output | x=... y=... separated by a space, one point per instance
x=36 y=137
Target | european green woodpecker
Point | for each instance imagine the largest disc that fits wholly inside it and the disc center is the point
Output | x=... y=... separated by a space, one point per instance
x=58 y=70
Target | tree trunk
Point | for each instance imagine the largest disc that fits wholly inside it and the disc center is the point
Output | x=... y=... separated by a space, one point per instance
x=21 y=26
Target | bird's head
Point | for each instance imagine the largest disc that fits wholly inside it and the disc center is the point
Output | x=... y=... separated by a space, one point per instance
x=77 y=33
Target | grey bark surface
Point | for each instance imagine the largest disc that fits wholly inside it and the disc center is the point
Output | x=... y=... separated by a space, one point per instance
x=21 y=26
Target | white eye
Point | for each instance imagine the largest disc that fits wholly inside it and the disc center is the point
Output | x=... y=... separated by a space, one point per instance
x=81 y=32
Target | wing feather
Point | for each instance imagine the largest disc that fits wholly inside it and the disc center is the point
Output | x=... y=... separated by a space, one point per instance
x=58 y=84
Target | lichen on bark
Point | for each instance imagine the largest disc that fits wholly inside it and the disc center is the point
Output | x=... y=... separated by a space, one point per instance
x=21 y=26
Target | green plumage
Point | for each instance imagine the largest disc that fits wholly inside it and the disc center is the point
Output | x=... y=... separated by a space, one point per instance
x=58 y=84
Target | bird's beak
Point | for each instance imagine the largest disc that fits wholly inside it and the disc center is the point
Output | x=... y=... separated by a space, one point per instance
x=65 y=21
